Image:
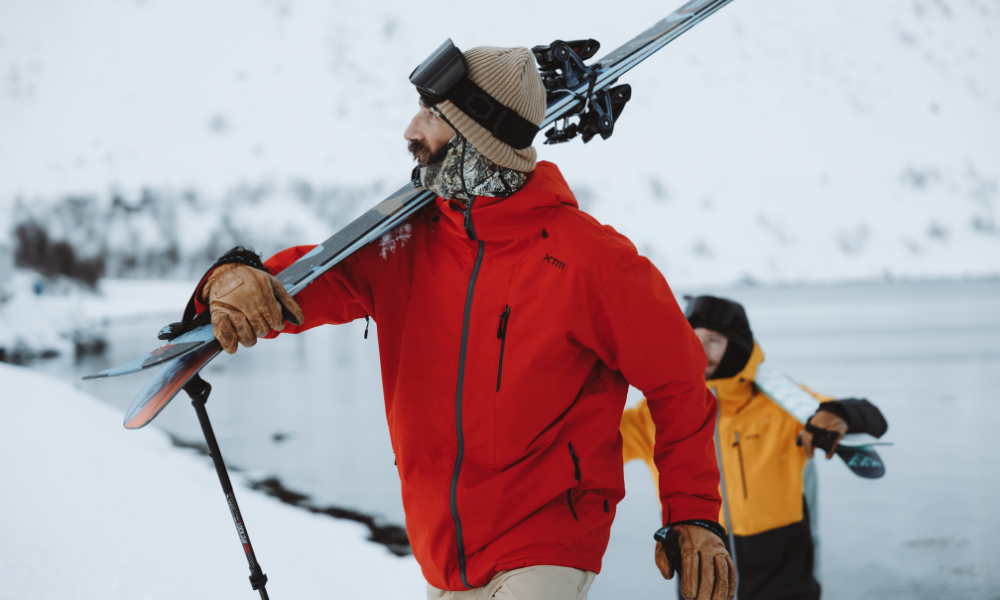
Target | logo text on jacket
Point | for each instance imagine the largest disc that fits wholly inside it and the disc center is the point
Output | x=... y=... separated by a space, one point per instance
x=555 y=262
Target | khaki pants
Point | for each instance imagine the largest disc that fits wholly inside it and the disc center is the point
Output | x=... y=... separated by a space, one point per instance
x=528 y=583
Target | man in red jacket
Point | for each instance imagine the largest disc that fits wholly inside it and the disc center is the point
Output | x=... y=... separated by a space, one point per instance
x=510 y=326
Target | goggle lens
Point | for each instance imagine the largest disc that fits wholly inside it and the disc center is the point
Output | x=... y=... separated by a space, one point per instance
x=439 y=72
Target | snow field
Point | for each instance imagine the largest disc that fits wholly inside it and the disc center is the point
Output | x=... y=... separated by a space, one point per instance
x=90 y=510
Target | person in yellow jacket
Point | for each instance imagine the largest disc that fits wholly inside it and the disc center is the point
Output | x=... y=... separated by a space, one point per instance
x=764 y=441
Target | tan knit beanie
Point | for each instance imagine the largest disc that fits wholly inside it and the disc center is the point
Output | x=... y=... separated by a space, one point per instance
x=510 y=76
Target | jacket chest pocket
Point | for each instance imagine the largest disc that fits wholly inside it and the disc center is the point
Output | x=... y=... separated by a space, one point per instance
x=502 y=336
x=484 y=379
x=748 y=443
x=738 y=443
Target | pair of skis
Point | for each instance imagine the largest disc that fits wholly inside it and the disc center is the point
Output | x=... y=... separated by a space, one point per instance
x=574 y=89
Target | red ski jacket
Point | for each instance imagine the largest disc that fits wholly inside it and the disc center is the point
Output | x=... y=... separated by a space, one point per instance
x=505 y=364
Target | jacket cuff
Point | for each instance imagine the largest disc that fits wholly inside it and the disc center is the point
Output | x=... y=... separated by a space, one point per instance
x=860 y=415
x=690 y=508
x=712 y=526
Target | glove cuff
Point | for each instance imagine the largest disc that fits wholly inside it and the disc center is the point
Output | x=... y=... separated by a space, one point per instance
x=835 y=408
x=190 y=320
x=241 y=255
x=663 y=534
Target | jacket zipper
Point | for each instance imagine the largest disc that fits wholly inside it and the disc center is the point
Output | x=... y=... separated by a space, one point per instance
x=743 y=475
x=725 y=501
x=576 y=473
x=502 y=336
x=458 y=414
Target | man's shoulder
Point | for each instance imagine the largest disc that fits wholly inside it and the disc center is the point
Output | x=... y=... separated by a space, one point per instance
x=589 y=229
x=578 y=238
x=589 y=236
x=547 y=179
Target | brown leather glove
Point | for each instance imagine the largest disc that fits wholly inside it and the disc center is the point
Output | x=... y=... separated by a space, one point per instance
x=244 y=304
x=823 y=420
x=707 y=572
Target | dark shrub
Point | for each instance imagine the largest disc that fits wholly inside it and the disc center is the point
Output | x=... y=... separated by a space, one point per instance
x=35 y=250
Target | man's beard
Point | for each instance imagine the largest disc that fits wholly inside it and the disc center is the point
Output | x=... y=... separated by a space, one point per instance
x=423 y=155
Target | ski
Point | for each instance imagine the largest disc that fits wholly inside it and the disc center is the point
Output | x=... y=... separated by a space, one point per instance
x=857 y=450
x=169 y=380
x=574 y=90
x=385 y=216
x=563 y=103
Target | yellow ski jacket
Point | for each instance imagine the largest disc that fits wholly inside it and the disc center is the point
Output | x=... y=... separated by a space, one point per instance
x=762 y=468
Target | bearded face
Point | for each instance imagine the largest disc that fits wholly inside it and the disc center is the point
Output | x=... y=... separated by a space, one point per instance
x=423 y=154
x=427 y=136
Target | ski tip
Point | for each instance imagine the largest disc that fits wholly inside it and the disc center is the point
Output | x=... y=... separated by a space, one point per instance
x=134 y=423
x=863 y=461
x=95 y=376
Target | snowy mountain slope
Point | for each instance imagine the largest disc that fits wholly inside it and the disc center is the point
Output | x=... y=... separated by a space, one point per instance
x=90 y=510
x=779 y=140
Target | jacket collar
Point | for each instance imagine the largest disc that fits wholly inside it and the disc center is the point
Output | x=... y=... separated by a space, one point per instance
x=734 y=392
x=520 y=215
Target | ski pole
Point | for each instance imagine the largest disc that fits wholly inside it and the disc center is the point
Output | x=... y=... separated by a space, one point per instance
x=199 y=389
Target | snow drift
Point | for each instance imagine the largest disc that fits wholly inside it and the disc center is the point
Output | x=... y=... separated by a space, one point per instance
x=90 y=510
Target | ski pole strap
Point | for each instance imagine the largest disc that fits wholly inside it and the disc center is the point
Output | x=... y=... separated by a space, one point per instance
x=189 y=321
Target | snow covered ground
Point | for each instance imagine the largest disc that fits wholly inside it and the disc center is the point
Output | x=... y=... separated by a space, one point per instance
x=927 y=354
x=778 y=141
x=90 y=510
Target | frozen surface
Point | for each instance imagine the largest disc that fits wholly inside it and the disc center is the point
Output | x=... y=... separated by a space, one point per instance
x=90 y=510
x=927 y=354
x=47 y=315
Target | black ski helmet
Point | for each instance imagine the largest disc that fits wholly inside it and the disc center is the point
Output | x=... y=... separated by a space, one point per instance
x=729 y=319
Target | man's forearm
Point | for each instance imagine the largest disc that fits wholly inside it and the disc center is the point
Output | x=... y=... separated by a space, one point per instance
x=685 y=454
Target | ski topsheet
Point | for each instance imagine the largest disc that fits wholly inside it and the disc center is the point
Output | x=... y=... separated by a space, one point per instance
x=385 y=216
x=857 y=450
x=368 y=227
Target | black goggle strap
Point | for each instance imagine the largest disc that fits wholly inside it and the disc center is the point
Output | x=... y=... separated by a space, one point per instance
x=503 y=122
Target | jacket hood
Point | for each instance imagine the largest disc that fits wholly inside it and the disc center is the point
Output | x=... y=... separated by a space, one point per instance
x=733 y=392
x=504 y=218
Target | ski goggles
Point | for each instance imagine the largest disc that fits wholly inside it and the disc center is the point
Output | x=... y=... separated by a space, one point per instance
x=444 y=75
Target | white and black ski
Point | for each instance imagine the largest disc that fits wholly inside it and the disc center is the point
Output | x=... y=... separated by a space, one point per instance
x=574 y=90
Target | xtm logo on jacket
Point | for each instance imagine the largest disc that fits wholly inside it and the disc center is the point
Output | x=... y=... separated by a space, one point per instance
x=555 y=262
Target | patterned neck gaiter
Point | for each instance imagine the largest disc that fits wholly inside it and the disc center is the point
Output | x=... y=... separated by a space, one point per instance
x=464 y=173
